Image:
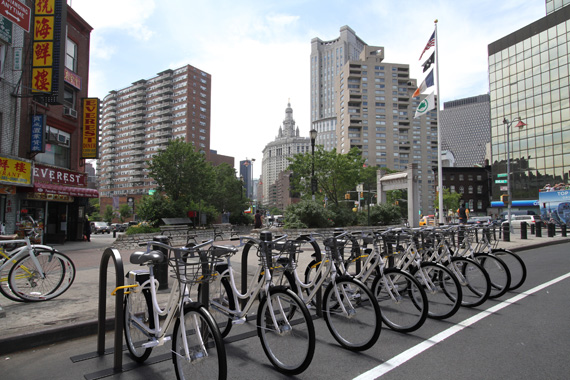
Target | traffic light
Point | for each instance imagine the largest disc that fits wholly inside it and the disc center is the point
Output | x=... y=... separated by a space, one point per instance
x=505 y=199
x=362 y=195
x=347 y=196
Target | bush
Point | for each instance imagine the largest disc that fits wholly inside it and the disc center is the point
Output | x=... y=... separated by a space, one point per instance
x=342 y=216
x=308 y=214
x=383 y=214
x=142 y=228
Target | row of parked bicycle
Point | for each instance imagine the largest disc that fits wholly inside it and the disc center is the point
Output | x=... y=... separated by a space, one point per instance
x=355 y=280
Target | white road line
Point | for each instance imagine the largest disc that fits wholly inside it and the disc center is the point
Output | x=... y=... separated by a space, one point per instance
x=397 y=360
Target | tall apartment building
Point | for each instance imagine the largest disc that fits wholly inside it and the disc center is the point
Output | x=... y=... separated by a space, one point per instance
x=529 y=78
x=327 y=60
x=246 y=175
x=375 y=114
x=139 y=121
x=466 y=130
x=275 y=154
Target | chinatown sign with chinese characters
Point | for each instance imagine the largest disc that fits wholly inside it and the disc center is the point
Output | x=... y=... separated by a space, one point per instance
x=89 y=145
x=16 y=12
x=48 y=49
x=13 y=171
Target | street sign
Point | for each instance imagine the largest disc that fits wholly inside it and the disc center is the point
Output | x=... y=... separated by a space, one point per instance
x=16 y=12
x=501 y=175
x=500 y=181
x=504 y=188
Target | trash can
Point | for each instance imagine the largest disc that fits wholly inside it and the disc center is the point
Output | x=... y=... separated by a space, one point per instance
x=161 y=269
x=563 y=230
x=532 y=228
x=523 y=230
x=538 y=228
x=506 y=232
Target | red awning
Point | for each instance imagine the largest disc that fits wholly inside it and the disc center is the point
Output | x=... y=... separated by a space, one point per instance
x=50 y=188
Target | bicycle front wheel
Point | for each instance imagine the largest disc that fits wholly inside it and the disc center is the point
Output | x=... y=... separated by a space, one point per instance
x=498 y=273
x=286 y=331
x=474 y=280
x=206 y=356
x=4 y=275
x=442 y=289
x=26 y=281
x=352 y=314
x=137 y=315
x=516 y=266
x=402 y=300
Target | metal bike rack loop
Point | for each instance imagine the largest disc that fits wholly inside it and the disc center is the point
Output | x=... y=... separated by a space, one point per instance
x=120 y=282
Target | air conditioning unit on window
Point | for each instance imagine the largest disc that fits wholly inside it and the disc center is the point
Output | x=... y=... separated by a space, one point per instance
x=70 y=112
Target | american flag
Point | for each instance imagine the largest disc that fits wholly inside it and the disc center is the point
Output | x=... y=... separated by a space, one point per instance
x=430 y=43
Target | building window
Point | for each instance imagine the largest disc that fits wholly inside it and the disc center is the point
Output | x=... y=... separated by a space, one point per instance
x=461 y=190
x=480 y=189
x=461 y=178
x=69 y=97
x=71 y=55
x=479 y=205
x=470 y=189
x=58 y=150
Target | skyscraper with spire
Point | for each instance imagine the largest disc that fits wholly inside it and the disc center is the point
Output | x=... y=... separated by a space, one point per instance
x=275 y=154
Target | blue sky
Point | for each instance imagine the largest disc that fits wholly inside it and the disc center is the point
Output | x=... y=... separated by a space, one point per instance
x=257 y=51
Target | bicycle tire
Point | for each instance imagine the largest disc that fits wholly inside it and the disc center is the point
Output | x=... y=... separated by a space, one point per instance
x=291 y=348
x=515 y=264
x=498 y=271
x=358 y=323
x=474 y=280
x=220 y=294
x=24 y=281
x=402 y=300
x=207 y=353
x=4 y=285
x=140 y=305
x=442 y=289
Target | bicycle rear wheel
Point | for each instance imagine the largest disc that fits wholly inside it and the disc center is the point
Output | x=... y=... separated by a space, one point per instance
x=352 y=314
x=402 y=300
x=474 y=280
x=289 y=341
x=26 y=282
x=206 y=351
x=138 y=312
x=442 y=288
x=516 y=266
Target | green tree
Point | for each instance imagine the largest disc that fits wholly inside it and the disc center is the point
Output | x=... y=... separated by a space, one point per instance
x=450 y=200
x=153 y=208
x=181 y=172
x=109 y=214
x=125 y=212
x=308 y=214
x=335 y=173
x=228 y=195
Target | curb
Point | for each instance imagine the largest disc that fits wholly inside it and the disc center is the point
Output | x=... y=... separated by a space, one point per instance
x=11 y=344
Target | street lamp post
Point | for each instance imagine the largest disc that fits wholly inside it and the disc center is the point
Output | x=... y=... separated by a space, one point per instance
x=313 y=134
x=520 y=124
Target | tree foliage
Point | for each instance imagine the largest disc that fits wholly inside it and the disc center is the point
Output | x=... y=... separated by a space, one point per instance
x=450 y=200
x=335 y=173
x=125 y=212
x=181 y=172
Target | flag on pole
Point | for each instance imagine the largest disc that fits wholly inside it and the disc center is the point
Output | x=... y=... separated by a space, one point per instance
x=427 y=64
x=425 y=106
x=427 y=83
x=430 y=43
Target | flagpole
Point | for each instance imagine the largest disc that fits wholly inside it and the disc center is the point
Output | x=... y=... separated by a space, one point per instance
x=439 y=168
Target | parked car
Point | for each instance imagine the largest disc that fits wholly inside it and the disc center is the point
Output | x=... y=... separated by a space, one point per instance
x=516 y=220
x=480 y=220
x=100 y=228
x=118 y=227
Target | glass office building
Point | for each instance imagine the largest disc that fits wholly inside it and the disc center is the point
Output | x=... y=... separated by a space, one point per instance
x=529 y=78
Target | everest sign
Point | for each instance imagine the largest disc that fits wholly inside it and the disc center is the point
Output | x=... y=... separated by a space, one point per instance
x=16 y=12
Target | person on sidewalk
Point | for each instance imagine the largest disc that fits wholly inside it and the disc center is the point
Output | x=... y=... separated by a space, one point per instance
x=87 y=229
x=258 y=220
x=463 y=214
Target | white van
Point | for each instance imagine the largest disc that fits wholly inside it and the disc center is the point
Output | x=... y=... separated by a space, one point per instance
x=516 y=220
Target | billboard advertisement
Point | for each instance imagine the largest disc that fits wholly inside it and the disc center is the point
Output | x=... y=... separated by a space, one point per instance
x=555 y=206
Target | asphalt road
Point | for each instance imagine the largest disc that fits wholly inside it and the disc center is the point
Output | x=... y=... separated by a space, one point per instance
x=523 y=335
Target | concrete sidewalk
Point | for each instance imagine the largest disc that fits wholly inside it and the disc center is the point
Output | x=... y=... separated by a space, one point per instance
x=74 y=313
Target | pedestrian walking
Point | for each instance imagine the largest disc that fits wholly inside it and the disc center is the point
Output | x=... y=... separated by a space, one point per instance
x=87 y=229
x=463 y=214
x=258 y=220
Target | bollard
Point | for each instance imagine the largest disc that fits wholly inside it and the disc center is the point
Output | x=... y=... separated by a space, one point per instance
x=563 y=230
x=538 y=228
x=506 y=232
x=523 y=230
x=161 y=269
x=551 y=229
x=532 y=228
x=114 y=233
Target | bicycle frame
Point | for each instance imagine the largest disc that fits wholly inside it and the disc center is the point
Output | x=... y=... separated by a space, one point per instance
x=14 y=255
